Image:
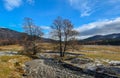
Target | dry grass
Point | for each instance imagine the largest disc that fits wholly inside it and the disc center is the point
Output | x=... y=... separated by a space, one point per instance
x=11 y=66
x=11 y=48
x=94 y=51
x=101 y=52
x=102 y=55
x=46 y=46
x=101 y=48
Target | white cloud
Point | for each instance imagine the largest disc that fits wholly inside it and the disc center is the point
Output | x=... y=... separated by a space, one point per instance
x=100 y=28
x=88 y=7
x=81 y=5
x=46 y=30
x=11 y=4
x=45 y=27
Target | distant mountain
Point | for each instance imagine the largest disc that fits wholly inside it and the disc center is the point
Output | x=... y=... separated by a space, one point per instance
x=6 y=33
x=104 y=37
x=12 y=36
x=111 y=39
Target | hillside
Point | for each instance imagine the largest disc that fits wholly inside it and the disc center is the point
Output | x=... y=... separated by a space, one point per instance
x=110 y=39
x=12 y=35
x=8 y=34
x=104 y=37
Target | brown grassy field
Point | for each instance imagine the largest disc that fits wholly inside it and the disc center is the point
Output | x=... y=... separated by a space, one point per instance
x=100 y=52
x=11 y=48
x=93 y=51
x=11 y=66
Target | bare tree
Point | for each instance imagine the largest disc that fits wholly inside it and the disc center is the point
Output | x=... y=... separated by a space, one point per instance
x=57 y=32
x=63 y=31
x=34 y=33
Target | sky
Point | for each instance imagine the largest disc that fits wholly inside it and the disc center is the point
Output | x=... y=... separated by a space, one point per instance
x=89 y=17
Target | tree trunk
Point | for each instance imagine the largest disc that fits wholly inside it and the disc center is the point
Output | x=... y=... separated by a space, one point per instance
x=61 y=53
x=65 y=46
x=34 y=48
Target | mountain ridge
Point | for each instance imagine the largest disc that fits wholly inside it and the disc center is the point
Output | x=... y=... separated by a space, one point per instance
x=9 y=34
x=114 y=36
x=12 y=35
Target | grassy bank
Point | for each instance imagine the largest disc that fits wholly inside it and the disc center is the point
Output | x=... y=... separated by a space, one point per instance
x=11 y=66
x=11 y=48
x=101 y=52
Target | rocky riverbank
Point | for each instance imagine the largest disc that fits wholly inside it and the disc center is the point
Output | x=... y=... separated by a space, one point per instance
x=47 y=67
x=9 y=53
x=50 y=69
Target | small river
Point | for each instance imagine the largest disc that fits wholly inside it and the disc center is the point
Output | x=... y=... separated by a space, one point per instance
x=9 y=53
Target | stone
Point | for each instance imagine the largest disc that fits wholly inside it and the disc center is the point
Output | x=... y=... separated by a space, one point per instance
x=114 y=63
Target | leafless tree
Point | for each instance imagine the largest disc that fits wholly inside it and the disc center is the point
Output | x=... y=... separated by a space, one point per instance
x=63 y=31
x=57 y=32
x=34 y=33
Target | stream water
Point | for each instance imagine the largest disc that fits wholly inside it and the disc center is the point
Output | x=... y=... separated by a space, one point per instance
x=10 y=53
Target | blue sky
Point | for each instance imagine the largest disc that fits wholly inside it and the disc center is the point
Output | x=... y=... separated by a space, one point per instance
x=90 y=17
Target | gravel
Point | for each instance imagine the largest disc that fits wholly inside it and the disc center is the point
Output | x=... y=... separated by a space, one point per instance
x=46 y=67
x=50 y=69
